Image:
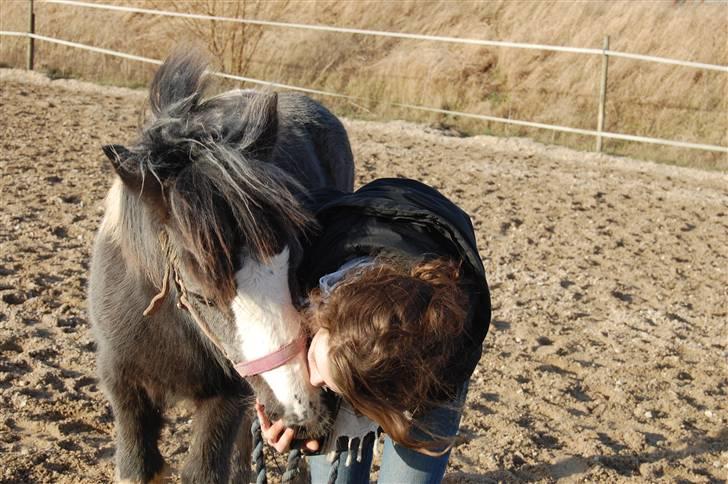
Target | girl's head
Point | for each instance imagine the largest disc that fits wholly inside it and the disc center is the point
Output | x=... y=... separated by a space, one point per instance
x=384 y=338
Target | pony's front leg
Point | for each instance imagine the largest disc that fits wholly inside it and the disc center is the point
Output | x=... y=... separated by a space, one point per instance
x=138 y=425
x=240 y=471
x=215 y=428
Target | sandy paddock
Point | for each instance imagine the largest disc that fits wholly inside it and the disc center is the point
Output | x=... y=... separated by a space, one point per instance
x=607 y=356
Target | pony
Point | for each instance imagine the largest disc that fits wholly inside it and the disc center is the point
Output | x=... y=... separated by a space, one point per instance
x=192 y=267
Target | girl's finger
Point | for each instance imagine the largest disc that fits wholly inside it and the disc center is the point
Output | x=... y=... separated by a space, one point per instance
x=275 y=431
x=311 y=445
x=284 y=442
x=262 y=417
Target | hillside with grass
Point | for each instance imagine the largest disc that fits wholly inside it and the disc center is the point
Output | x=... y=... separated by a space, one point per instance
x=643 y=98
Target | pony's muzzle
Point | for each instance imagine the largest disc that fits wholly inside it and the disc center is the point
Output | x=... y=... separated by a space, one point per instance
x=318 y=420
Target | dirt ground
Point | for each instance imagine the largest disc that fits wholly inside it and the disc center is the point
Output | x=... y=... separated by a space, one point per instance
x=607 y=356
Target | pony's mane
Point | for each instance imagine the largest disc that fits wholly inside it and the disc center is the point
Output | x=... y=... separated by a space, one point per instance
x=129 y=225
x=208 y=157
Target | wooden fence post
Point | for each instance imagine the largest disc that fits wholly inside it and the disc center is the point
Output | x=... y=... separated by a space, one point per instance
x=31 y=40
x=602 y=94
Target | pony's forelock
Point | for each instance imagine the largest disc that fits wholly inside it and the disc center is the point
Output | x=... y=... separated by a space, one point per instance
x=224 y=204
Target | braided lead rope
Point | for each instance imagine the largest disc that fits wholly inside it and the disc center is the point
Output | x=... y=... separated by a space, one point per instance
x=294 y=458
x=334 y=469
x=258 y=456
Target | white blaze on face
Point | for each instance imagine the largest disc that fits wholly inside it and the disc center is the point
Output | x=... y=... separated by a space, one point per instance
x=265 y=320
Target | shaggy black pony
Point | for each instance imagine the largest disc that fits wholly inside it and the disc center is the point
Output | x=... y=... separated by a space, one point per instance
x=192 y=265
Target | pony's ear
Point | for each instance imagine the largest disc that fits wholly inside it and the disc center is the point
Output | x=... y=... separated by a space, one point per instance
x=116 y=153
x=120 y=159
x=130 y=172
x=261 y=130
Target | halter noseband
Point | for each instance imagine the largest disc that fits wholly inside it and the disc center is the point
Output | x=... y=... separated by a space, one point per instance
x=280 y=357
x=271 y=361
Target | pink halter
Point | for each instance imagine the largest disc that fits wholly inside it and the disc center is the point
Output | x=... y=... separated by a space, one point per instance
x=271 y=361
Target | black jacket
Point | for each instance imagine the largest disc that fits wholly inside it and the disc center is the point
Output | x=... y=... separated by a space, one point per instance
x=400 y=218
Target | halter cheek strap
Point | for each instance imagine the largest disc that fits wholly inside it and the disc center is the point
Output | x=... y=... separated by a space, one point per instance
x=271 y=361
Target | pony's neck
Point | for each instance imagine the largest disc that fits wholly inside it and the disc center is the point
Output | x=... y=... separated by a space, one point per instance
x=129 y=223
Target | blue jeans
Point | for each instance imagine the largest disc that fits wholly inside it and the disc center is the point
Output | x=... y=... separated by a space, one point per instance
x=400 y=465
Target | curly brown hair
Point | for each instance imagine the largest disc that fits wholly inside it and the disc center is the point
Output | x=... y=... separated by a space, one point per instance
x=393 y=331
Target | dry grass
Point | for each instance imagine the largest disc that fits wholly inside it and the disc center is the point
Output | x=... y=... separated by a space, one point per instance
x=643 y=98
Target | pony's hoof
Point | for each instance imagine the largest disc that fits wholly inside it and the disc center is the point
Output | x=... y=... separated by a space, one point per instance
x=164 y=476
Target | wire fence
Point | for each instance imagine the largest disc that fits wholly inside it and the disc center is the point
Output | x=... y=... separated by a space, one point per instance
x=605 y=53
x=395 y=35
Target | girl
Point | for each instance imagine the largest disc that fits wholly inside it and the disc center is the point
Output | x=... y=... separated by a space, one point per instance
x=398 y=309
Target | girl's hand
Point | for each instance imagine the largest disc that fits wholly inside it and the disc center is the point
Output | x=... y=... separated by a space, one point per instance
x=278 y=435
